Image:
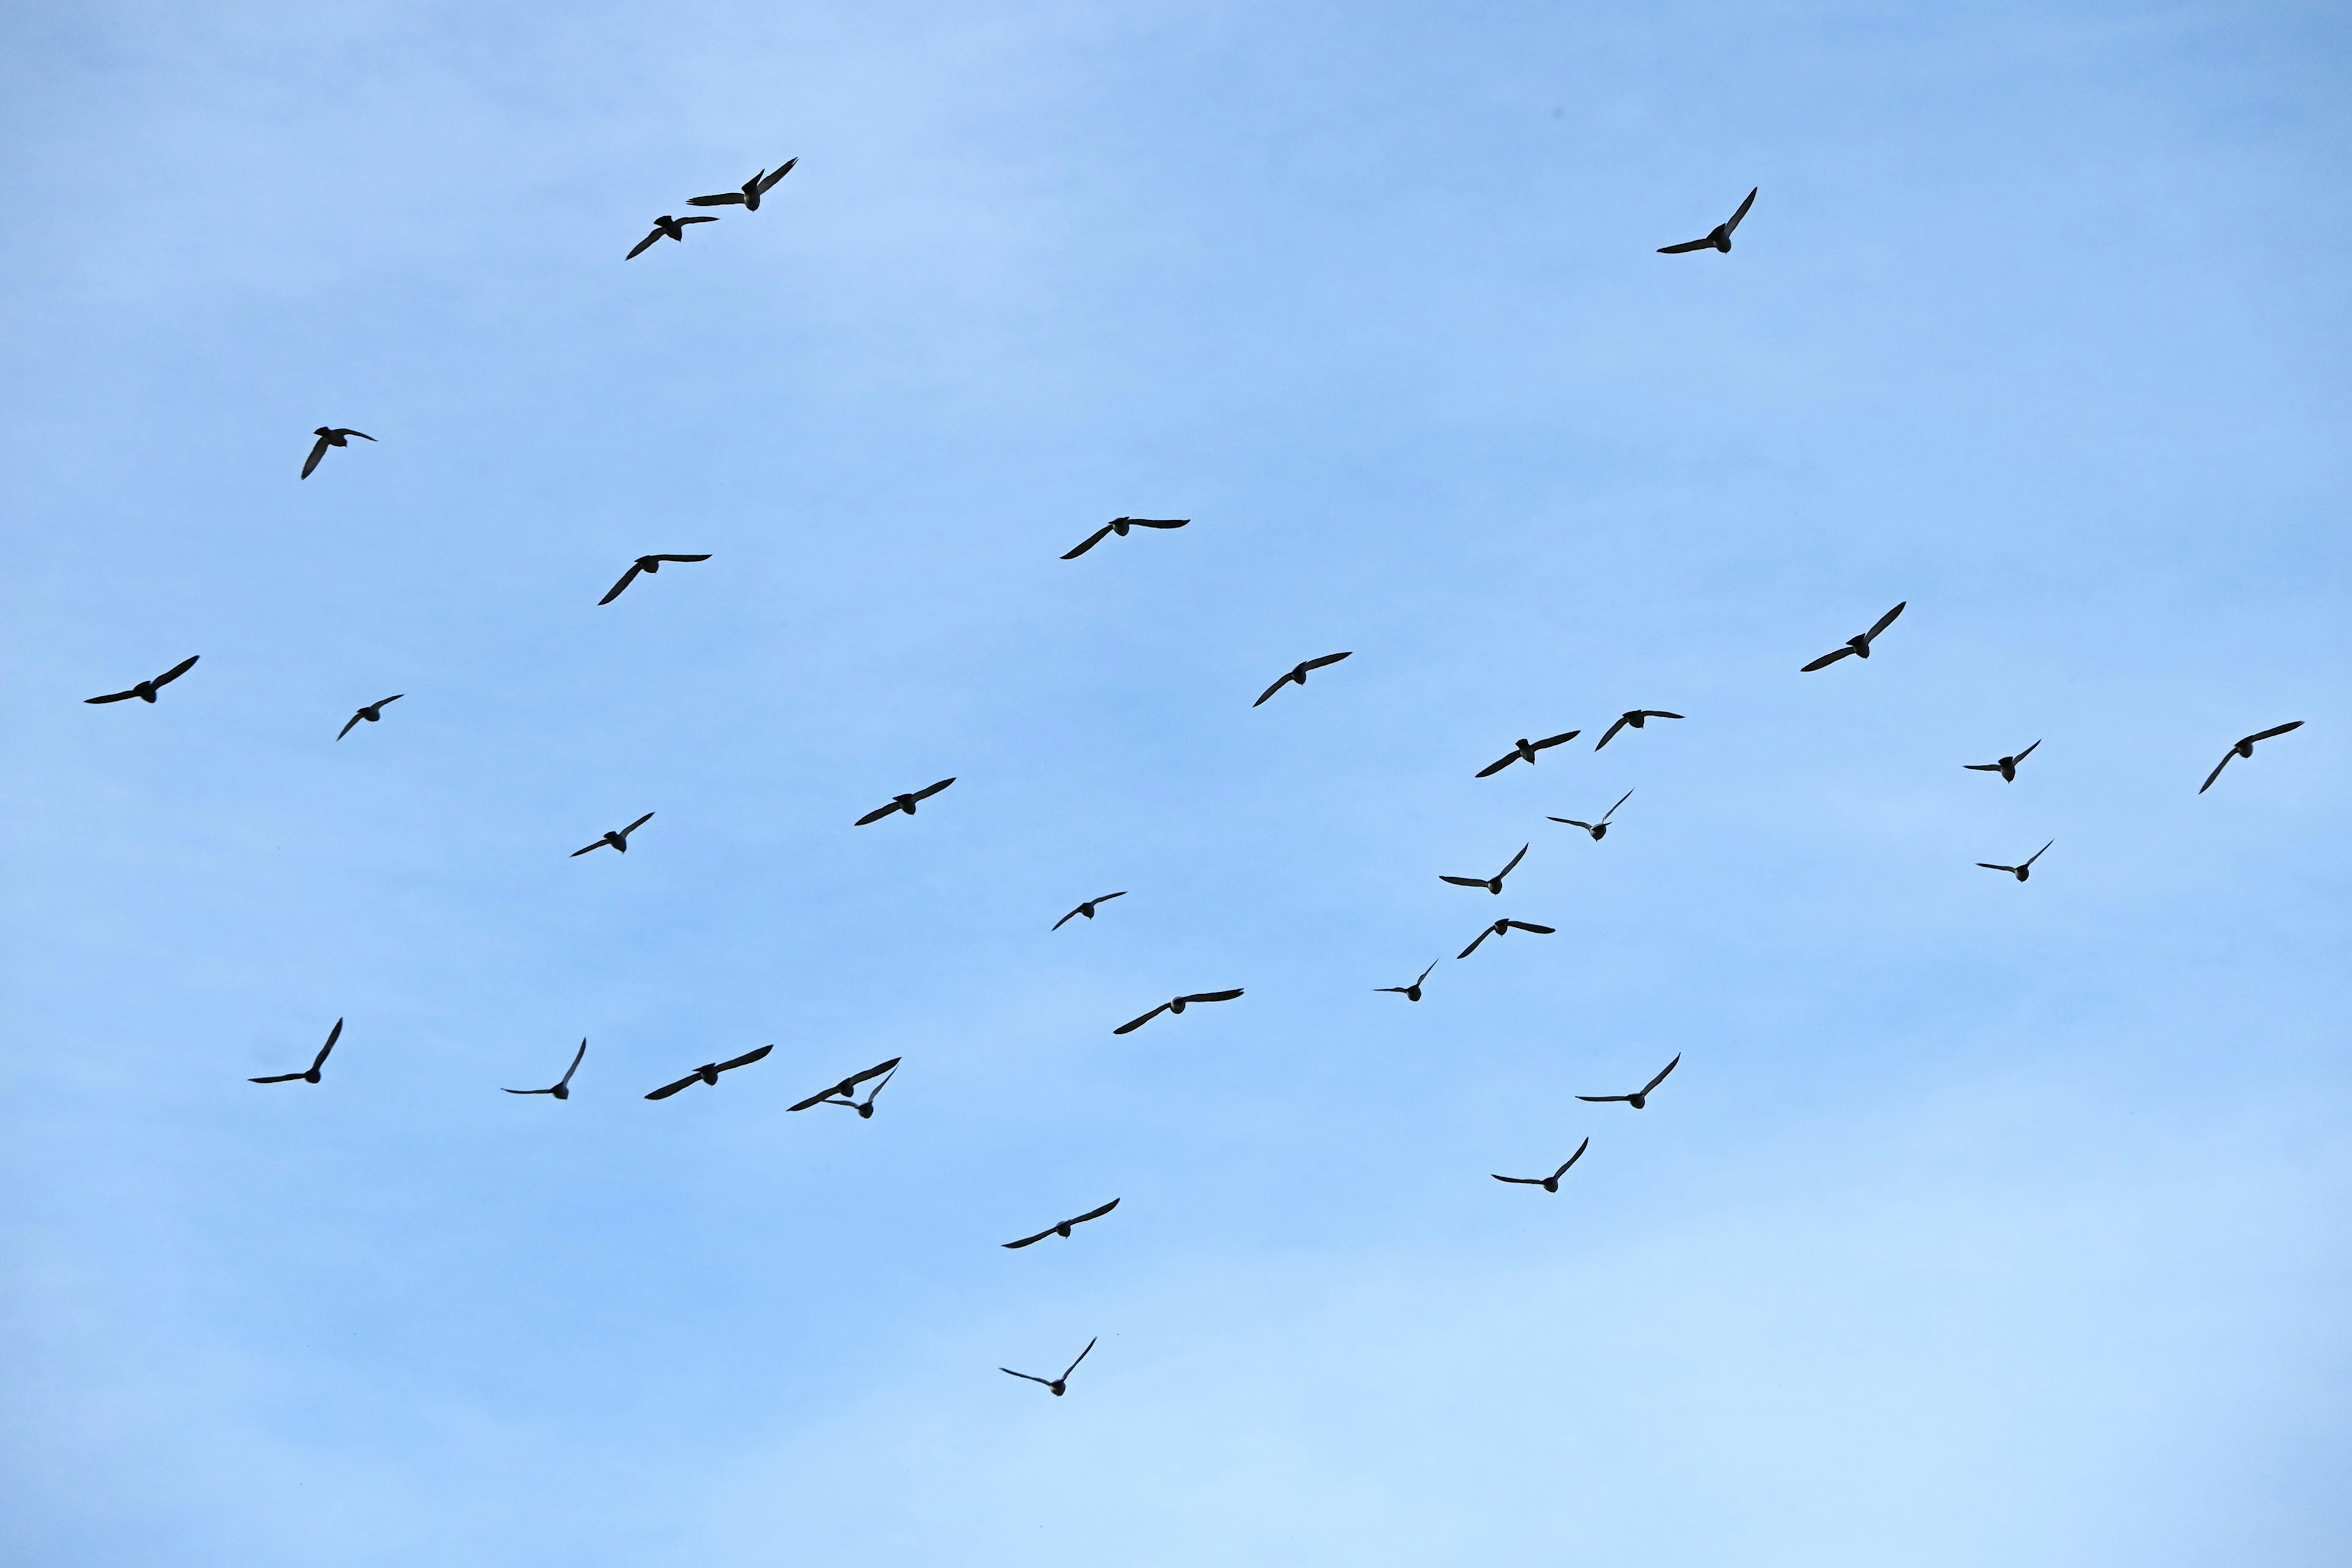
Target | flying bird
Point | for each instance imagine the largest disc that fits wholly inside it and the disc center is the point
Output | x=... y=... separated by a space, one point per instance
x=1640 y=1096
x=1551 y=1184
x=1119 y=525
x=1055 y=1386
x=2244 y=748
x=1523 y=751
x=145 y=690
x=2020 y=872
x=709 y=1072
x=328 y=436
x=562 y=1089
x=1177 y=1005
x=748 y=197
x=309 y=1075
x=372 y=712
x=1718 y=238
x=1297 y=673
x=647 y=564
x=665 y=228
x=619 y=841
x=1502 y=928
x=1062 y=1228
x=1411 y=993
x=905 y=803
x=845 y=1092
x=1634 y=719
x=2006 y=767
x=1087 y=908
x=1600 y=830
x=1858 y=647
x=1493 y=884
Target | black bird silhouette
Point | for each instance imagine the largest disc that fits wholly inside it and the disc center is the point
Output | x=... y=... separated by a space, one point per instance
x=1718 y=238
x=844 y=1093
x=619 y=841
x=1298 y=673
x=1087 y=908
x=1600 y=830
x=665 y=228
x=1640 y=1096
x=1632 y=718
x=371 y=713
x=1523 y=751
x=1177 y=1005
x=309 y=1075
x=2244 y=748
x=145 y=690
x=748 y=197
x=1549 y=1183
x=1411 y=993
x=562 y=1089
x=905 y=803
x=1055 y=1386
x=709 y=1072
x=2006 y=767
x=328 y=436
x=647 y=564
x=1062 y=1228
x=2020 y=872
x=1502 y=928
x=1119 y=525
x=1858 y=647
x=1493 y=884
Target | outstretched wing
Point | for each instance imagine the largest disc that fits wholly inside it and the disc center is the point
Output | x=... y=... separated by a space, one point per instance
x=1513 y=865
x=1327 y=659
x=1611 y=735
x=347 y=726
x=1158 y=521
x=1463 y=881
x=1091 y=539
x=702 y=557
x=2029 y=750
x=1742 y=212
x=1474 y=943
x=1028 y=1241
x=1523 y=925
x=1661 y=1073
x=626 y=578
x=188 y=664
x=2264 y=735
x=1213 y=996
x=746 y=1059
x=877 y=814
x=2200 y=788
x=637 y=824
x=666 y=1091
x=113 y=697
x=725 y=199
x=642 y=246
x=1067 y=919
x=1885 y=621
x=1073 y=1366
x=1134 y=1023
x=1982 y=767
x=566 y=1079
x=1658 y=713
x=1571 y=822
x=1990 y=867
x=930 y=790
x=332 y=1035
x=687 y=220
x=768 y=182
x=1559 y=739
x=1093 y=1213
x=1491 y=769
x=1603 y=1099
x=318 y=451
x=1687 y=245
x=1272 y=689
x=1033 y=1377
x=1571 y=1160
x=1522 y=1180
x=1613 y=810
x=1826 y=659
x=2038 y=853
x=279 y=1078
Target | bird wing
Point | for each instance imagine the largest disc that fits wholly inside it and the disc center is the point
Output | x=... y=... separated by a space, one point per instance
x=186 y=665
x=1491 y=769
x=626 y=578
x=2266 y=734
x=1029 y=1241
x=642 y=246
x=746 y=1059
x=332 y=1035
x=1158 y=521
x=2024 y=754
x=1523 y=1181
x=1658 y=713
x=1571 y=1160
x=1513 y=865
x=877 y=814
x=574 y=1067
x=2200 y=788
x=729 y=198
x=1067 y=919
x=1687 y=245
x=1424 y=973
x=1214 y=995
x=1463 y=881
x=1108 y=897
x=1550 y=741
x=686 y=220
x=278 y=1078
x=1826 y=659
x=637 y=824
x=817 y=1099
x=1093 y=1213
x=1327 y=659
x=930 y=790
x=1885 y=621
x=1134 y=1023
x=1272 y=689
x=361 y=434
x=1613 y=810
x=768 y=182
x=1982 y=767
x=577 y=853
x=531 y=1091
x=879 y=1070
x=113 y=697
x=884 y=1084
x=318 y=451
x=1481 y=937
x=1523 y=925
x=1742 y=212
x=1611 y=735
x=1073 y=1366
x=1091 y=539
x=702 y=557
x=1661 y=1073
x=347 y=726
x=2038 y=853
x=666 y=1091
x=1603 y=1099
x=1571 y=822
x=1033 y=1377
x=1990 y=867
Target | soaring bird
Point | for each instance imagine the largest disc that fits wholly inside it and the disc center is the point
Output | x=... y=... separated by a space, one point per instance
x=1600 y=830
x=709 y=1072
x=1177 y=1005
x=1055 y=1386
x=1411 y=993
x=1634 y=719
x=2006 y=767
x=1523 y=751
x=748 y=198
x=1718 y=238
x=845 y=1092
x=562 y=1089
x=1551 y=1184
x=1493 y=884
x=647 y=564
x=1062 y=1229
x=145 y=690
x=1858 y=647
x=2244 y=748
x=327 y=436
x=372 y=712
x=2020 y=872
x=665 y=228
x=1640 y=1096
x=1502 y=928
x=1119 y=525
x=619 y=841
x=905 y=803
x=1087 y=908
x=310 y=1074
x=1298 y=672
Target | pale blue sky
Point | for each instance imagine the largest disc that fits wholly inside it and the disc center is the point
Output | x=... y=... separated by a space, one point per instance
x=1981 y=1223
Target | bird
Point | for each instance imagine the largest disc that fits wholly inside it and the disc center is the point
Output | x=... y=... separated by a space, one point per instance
x=1063 y=1228
x=1549 y=1183
x=1119 y=525
x=145 y=690
x=562 y=1089
x=1718 y=238
x=1632 y=718
x=310 y=1075
x=2244 y=748
x=371 y=713
x=1409 y=992
x=1297 y=673
x=327 y=436
x=619 y=841
x=845 y=1091
x=748 y=198
x=2006 y=767
x=1493 y=884
x=905 y=803
x=1600 y=830
x=2020 y=872
x=709 y=1072
x=1859 y=646
x=1640 y=1096
x=1523 y=751
x=1502 y=928
x=1087 y=908
x=1177 y=1005
x=665 y=227
x=642 y=564
x=1055 y=1386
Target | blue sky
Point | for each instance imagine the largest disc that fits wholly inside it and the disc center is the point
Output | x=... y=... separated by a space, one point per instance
x=1981 y=1222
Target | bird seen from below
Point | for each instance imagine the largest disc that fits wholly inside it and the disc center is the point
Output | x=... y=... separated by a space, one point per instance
x=1411 y=993
x=619 y=840
x=748 y=197
x=844 y=1093
x=1523 y=751
x=905 y=803
x=1502 y=928
x=709 y=1073
x=371 y=713
x=1057 y=1386
x=328 y=436
x=1856 y=646
x=1600 y=830
x=145 y=690
x=2020 y=872
x=1176 y=1005
x=2244 y=748
x=1549 y=1183
x=665 y=228
x=1493 y=884
x=1640 y=1096
x=647 y=564
x=562 y=1090
x=2005 y=766
x=1719 y=236
x=1298 y=672
x=1062 y=1229
x=1633 y=719
x=310 y=1073
x=1088 y=909
x=1119 y=525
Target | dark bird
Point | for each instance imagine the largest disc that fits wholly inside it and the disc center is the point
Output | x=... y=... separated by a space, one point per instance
x=1087 y=908
x=709 y=1072
x=309 y=1075
x=748 y=198
x=328 y=436
x=1411 y=993
x=2020 y=872
x=145 y=690
x=1858 y=647
x=905 y=803
x=1062 y=1228
x=1551 y=1183
x=1600 y=830
x=1177 y=1005
x=1055 y=1386
x=1640 y=1096
x=1501 y=928
x=1119 y=525
x=1523 y=751
x=2006 y=767
x=1493 y=884
x=1633 y=719
x=845 y=1092
x=2244 y=748
x=1298 y=673
x=648 y=563
x=372 y=712
x=562 y=1089
x=619 y=841
x=1718 y=238
x=665 y=228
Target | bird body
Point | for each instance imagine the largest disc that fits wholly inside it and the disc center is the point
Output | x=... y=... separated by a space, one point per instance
x=844 y=1093
x=1856 y=646
x=328 y=436
x=1119 y=525
x=2005 y=766
x=1640 y=1096
x=665 y=228
x=1549 y=1183
x=648 y=564
x=1523 y=751
x=709 y=1073
x=1493 y=884
x=1061 y=1228
x=2242 y=748
x=372 y=712
x=1718 y=238
x=1177 y=1006
x=309 y=1074
x=747 y=197
x=1087 y=908
x=145 y=690
x=1297 y=673
x=906 y=802
x=1600 y=830
x=2020 y=872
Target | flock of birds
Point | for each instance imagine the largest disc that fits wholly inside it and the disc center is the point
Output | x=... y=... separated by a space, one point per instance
x=845 y=1094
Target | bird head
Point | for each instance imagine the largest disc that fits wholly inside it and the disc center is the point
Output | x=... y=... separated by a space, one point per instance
x=1057 y=1388
x=1637 y=1100
x=707 y=1072
x=866 y=1110
x=560 y=1091
x=311 y=1077
x=324 y=430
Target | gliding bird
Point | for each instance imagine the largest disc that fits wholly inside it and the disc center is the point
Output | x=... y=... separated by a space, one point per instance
x=372 y=712
x=1054 y=1385
x=328 y=436
x=1119 y=525
x=1718 y=238
x=844 y=1093
x=2005 y=766
x=905 y=803
x=709 y=1072
x=1062 y=1229
x=2244 y=748
x=1549 y=1183
x=309 y=1075
x=1600 y=830
x=1177 y=1005
x=1411 y=993
x=1087 y=908
x=1858 y=647
x=1493 y=884
x=2020 y=872
x=619 y=841
x=665 y=228
x=562 y=1089
x=1523 y=751
x=647 y=564
x=145 y=690
x=1297 y=673
x=1640 y=1096
x=748 y=198
x=1633 y=718
x=1503 y=927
